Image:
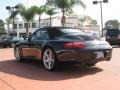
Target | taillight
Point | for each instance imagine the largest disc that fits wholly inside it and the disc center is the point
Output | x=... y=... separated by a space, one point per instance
x=75 y=45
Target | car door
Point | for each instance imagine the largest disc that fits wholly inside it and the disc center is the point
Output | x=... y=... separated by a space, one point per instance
x=29 y=49
x=36 y=40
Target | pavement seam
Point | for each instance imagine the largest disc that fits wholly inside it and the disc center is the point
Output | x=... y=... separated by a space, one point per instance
x=7 y=84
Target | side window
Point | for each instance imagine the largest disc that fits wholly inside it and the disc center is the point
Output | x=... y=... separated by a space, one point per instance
x=34 y=36
x=40 y=35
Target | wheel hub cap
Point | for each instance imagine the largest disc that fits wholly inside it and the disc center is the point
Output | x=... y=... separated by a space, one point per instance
x=48 y=59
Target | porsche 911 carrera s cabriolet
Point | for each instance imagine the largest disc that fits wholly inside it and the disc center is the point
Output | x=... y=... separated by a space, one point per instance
x=52 y=45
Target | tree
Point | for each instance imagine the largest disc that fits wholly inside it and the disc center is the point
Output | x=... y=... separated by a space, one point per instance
x=1 y=26
x=50 y=11
x=28 y=15
x=65 y=6
x=87 y=19
x=112 y=24
x=82 y=20
x=94 y=22
x=8 y=22
x=39 y=10
x=15 y=12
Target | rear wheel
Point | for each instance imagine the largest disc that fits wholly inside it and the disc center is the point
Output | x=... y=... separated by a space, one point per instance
x=49 y=59
x=17 y=54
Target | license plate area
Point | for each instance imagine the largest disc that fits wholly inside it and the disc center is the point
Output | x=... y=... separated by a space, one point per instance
x=100 y=54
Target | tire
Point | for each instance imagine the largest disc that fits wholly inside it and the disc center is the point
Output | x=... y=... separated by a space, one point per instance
x=17 y=53
x=49 y=59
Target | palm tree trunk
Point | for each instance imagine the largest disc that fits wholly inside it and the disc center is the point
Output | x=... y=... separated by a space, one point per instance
x=50 y=20
x=13 y=27
x=8 y=27
x=63 y=19
x=82 y=25
x=39 y=21
x=27 y=28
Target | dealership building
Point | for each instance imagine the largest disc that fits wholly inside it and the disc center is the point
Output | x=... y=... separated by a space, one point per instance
x=71 y=21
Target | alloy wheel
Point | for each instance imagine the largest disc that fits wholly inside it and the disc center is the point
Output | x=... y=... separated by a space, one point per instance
x=17 y=54
x=48 y=59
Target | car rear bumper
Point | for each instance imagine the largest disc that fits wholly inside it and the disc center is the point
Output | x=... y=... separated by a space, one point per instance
x=84 y=56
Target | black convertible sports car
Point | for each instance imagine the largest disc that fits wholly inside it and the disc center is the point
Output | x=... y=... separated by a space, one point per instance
x=53 y=44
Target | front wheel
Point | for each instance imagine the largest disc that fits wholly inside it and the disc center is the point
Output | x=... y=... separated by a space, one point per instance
x=49 y=59
x=17 y=54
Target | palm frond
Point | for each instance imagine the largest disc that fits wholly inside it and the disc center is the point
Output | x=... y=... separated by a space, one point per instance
x=14 y=14
x=28 y=13
x=51 y=11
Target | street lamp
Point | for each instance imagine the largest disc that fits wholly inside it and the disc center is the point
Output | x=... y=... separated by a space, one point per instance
x=13 y=9
x=96 y=2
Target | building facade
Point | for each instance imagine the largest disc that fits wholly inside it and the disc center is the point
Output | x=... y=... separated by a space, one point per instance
x=71 y=21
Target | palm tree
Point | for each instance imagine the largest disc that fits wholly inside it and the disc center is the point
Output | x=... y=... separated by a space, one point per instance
x=8 y=22
x=50 y=11
x=1 y=26
x=39 y=10
x=65 y=6
x=14 y=13
x=28 y=15
x=94 y=22
x=82 y=20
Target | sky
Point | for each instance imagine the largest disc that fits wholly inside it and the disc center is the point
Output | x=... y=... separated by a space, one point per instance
x=110 y=9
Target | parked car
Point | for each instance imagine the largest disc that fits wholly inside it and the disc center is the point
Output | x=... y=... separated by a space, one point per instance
x=113 y=36
x=9 y=41
x=14 y=40
x=93 y=33
x=54 y=44
x=4 y=43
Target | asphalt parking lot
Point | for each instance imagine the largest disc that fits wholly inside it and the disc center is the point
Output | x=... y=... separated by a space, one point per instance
x=31 y=75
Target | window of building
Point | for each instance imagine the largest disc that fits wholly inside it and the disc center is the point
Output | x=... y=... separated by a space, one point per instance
x=25 y=25
x=33 y=25
x=20 y=26
x=15 y=26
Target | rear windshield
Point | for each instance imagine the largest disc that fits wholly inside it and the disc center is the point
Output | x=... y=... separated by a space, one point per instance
x=113 y=32
x=68 y=31
x=88 y=38
x=56 y=33
x=80 y=37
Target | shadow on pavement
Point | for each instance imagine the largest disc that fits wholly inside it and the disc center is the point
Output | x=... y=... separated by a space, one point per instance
x=34 y=70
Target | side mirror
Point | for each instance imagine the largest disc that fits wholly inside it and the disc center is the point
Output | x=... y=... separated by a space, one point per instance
x=29 y=39
x=25 y=38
